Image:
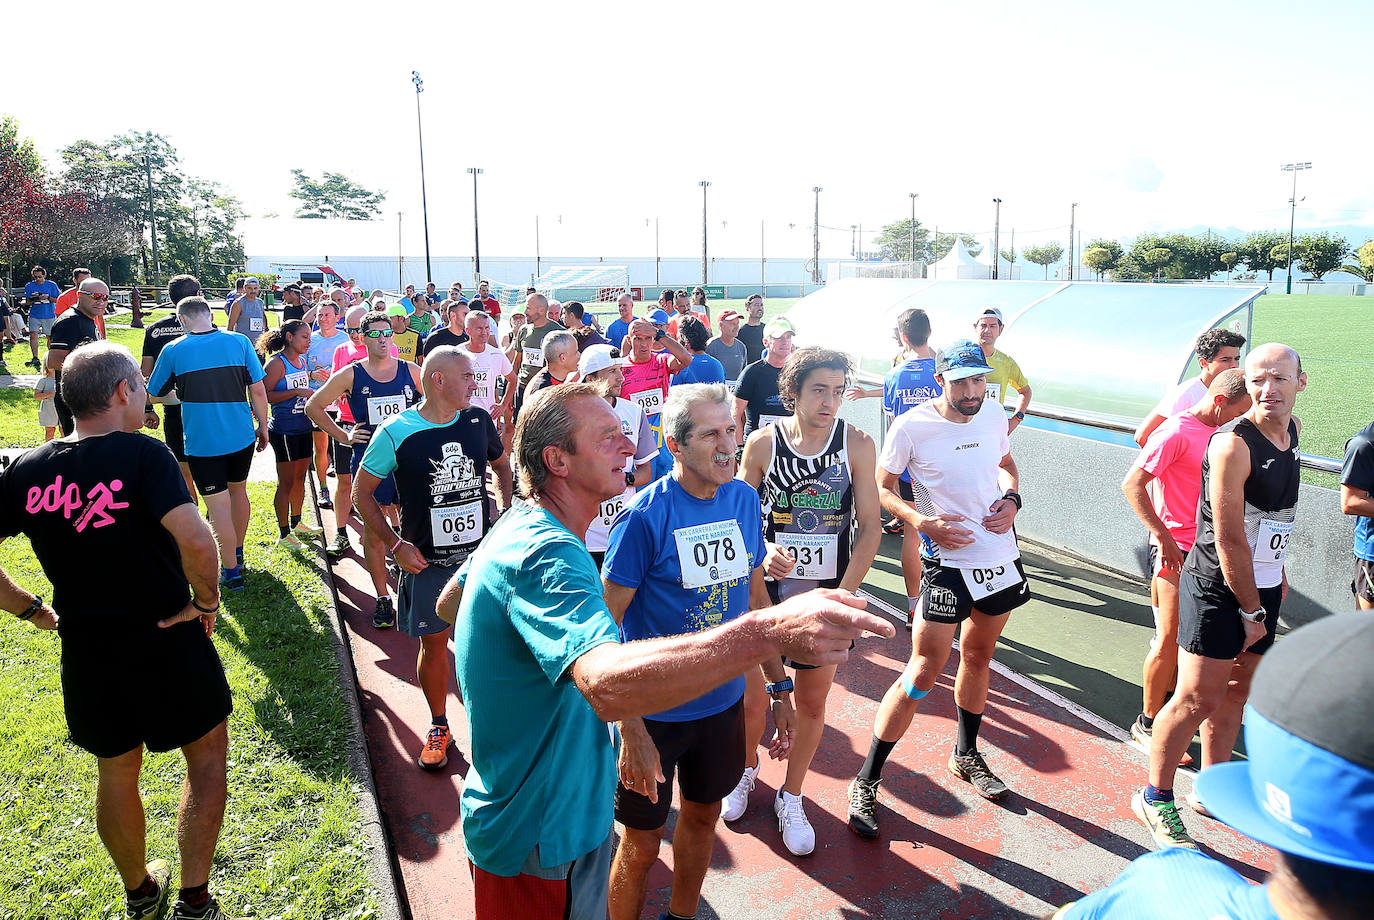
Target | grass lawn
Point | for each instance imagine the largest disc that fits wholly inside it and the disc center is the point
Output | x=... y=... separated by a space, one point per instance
x=292 y=841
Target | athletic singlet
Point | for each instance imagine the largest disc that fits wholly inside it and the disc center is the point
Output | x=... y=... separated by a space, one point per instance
x=373 y=402
x=1271 y=503
x=288 y=416
x=808 y=509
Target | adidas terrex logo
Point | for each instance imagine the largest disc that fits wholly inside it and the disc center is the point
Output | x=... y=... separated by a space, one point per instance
x=967 y=446
x=1265 y=464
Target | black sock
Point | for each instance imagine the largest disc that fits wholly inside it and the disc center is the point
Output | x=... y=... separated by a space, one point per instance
x=295 y=519
x=439 y=720
x=142 y=892
x=196 y=898
x=284 y=529
x=969 y=724
x=1147 y=721
x=872 y=770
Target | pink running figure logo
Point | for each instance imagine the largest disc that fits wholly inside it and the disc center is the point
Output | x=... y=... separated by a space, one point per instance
x=99 y=503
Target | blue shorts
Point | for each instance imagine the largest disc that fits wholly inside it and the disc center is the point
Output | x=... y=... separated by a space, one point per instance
x=385 y=493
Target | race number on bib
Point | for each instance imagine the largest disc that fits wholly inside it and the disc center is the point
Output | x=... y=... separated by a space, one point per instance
x=995 y=393
x=483 y=381
x=534 y=357
x=711 y=553
x=297 y=380
x=456 y=525
x=984 y=582
x=766 y=420
x=815 y=554
x=1271 y=545
x=608 y=510
x=255 y=323
x=381 y=408
x=651 y=401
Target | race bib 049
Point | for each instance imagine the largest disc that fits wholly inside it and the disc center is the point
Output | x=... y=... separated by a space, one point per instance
x=985 y=582
x=456 y=525
x=815 y=554
x=381 y=408
x=710 y=554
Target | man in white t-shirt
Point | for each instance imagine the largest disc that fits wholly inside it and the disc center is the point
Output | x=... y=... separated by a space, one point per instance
x=957 y=451
x=600 y=364
x=491 y=366
x=1217 y=350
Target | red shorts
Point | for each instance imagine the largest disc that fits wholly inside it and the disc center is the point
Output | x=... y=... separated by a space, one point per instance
x=573 y=891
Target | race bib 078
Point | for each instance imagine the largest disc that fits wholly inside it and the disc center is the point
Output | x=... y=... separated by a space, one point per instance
x=986 y=582
x=651 y=401
x=456 y=525
x=710 y=554
x=815 y=555
x=381 y=408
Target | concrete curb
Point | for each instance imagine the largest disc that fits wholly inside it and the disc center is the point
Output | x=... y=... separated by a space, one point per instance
x=381 y=856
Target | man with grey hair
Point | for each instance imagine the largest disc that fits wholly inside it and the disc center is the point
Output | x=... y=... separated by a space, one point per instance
x=155 y=338
x=216 y=375
x=686 y=555
x=73 y=330
x=138 y=667
x=533 y=635
x=560 y=363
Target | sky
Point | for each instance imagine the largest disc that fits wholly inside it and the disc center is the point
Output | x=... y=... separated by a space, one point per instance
x=601 y=118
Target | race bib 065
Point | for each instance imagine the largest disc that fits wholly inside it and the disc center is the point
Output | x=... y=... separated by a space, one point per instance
x=710 y=554
x=456 y=525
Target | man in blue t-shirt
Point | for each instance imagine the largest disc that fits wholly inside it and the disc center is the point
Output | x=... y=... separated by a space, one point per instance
x=1306 y=790
x=1357 y=498
x=41 y=296
x=686 y=555
x=533 y=635
x=620 y=326
x=216 y=376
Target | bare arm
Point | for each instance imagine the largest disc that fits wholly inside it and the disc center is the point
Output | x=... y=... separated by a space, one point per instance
x=1229 y=459
x=336 y=387
x=235 y=311
x=200 y=562
x=1356 y=501
x=310 y=314
x=1137 y=495
x=868 y=532
x=275 y=372
x=16 y=600
x=651 y=675
x=257 y=395
x=681 y=356
x=1147 y=427
x=739 y=420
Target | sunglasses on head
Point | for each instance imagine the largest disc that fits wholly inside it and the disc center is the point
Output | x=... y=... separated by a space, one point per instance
x=379 y=333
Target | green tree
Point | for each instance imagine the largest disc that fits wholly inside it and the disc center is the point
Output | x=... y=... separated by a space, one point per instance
x=1099 y=260
x=1010 y=256
x=1364 y=262
x=19 y=152
x=1256 y=250
x=895 y=241
x=1229 y=259
x=334 y=195
x=1046 y=254
x=1155 y=258
x=1323 y=252
x=1129 y=268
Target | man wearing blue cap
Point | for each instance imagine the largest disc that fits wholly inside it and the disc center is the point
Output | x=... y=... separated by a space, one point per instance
x=957 y=451
x=1307 y=790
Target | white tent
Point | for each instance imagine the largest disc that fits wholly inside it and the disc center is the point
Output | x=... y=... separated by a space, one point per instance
x=959 y=264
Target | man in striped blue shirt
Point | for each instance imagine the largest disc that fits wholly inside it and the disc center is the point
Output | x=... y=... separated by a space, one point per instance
x=215 y=375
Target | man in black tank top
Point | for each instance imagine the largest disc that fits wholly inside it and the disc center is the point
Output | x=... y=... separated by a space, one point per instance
x=1233 y=581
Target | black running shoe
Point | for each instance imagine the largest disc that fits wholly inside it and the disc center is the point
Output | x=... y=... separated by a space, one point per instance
x=973 y=768
x=863 y=807
x=152 y=906
x=384 y=617
x=211 y=911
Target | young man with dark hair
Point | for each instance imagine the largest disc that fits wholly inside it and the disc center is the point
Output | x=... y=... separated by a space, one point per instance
x=1217 y=350
x=155 y=338
x=1006 y=373
x=751 y=333
x=694 y=335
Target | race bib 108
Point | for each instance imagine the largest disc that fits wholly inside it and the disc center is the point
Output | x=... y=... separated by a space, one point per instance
x=710 y=554
x=381 y=408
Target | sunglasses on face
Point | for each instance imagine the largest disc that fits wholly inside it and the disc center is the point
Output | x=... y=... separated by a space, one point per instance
x=96 y=296
x=379 y=333
x=354 y=330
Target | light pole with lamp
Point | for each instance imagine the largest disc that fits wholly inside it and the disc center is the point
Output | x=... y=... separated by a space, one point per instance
x=996 y=236
x=704 y=186
x=476 y=237
x=816 y=239
x=424 y=204
x=913 y=197
x=1294 y=168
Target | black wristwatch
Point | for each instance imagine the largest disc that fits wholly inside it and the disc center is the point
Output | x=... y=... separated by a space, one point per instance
x=1013 y=497
x=783 y=686
x=31 y=611
x=630 y=479
x=658 y=334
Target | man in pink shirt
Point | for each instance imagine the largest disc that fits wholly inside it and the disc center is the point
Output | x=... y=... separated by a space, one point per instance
x=1172 y=460
x=647 y=377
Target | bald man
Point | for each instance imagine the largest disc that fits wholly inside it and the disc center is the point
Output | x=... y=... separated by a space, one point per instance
x=74 y=329
x=1233 y=581
x=438 y=451
x=528 y=357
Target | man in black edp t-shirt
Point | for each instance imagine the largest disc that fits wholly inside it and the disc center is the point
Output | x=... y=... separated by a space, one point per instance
x=138 y=667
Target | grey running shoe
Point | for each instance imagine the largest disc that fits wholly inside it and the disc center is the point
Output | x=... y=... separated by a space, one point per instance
x=151 y=907
x=340 y=547
x=211 y=911
x=1163 y=821
x=863 y=806
x=974 y=769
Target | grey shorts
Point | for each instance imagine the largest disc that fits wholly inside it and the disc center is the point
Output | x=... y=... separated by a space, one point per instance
x=42 y=326
x=419 y=594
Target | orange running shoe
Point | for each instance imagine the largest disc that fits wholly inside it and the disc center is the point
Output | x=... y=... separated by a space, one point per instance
x=435 y=754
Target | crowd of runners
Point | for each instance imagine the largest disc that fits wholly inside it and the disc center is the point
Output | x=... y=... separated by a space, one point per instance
x=664 y=524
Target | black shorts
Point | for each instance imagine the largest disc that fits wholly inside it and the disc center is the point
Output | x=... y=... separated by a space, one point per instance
x=385 y=493
x=417 y=599
x=162 y=688
x=945 y=595
x=288 y=448
x=1209 y=622
x=775 y=595
x=340 y=454
x=172 y=432
x=1362 y=585
x=213 y=474
x=706 y=753
x=904 y=490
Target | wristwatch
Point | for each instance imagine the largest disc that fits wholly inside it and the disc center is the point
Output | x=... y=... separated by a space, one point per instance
x=1255 y=616
x=783 y=686
x=658 y=334
x=1021 y=416
x=1014 y=497
x=630 y=479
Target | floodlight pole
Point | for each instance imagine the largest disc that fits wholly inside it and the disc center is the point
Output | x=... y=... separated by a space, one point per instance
x=152 y=220
x=1073 y=212
x=400 y=255
x=424 y=203
x=704 y=186
x=763 y=260
x=913 y=197
x=538 y=270
x=996 y=236
x=476 y=237
x=1294 y=168
x=816 y=239
x=656 y=259
x=853 y=241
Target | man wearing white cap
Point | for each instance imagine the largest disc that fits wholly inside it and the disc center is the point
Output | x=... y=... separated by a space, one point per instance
x=1006 y=373
x=601 y=364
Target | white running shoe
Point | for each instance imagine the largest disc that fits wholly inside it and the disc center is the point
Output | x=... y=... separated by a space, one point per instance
x=733 y=805
x=797 y=833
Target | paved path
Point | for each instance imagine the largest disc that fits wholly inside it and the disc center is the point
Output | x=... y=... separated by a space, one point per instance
x=943 y=852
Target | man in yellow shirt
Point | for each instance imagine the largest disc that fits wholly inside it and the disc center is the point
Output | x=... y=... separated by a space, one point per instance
x=404 y=337
x=1006 y=373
